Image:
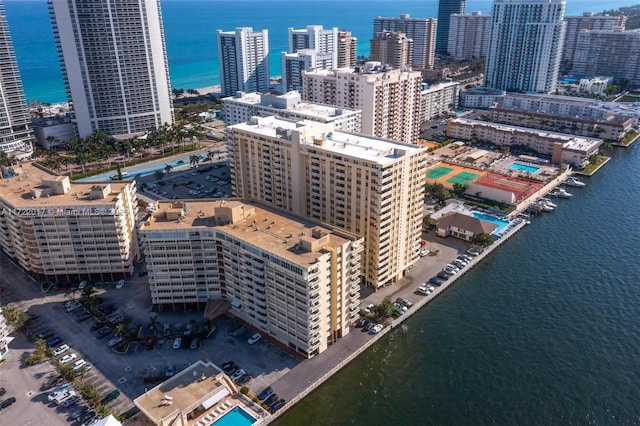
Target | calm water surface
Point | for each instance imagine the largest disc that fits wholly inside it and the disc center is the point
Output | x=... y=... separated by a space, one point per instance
x=545 y=332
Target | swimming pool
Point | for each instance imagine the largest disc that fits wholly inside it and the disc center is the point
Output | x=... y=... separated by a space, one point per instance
x=235 y=417
x=500 y=222
x=523 y=168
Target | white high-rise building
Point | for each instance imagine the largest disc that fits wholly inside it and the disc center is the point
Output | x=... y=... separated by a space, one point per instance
x=588 y=21
x=525 y=45
x=243 y=58
x=317 y=38
x=293 y=64
x=15 y=135
x=369 y=186
x=421 y=30
x=610 y=53
x=390 y=99
x=114 y=64
x=469 y=35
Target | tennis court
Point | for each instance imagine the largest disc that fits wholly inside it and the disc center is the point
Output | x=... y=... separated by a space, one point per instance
x=462 y=178
x=438 y=172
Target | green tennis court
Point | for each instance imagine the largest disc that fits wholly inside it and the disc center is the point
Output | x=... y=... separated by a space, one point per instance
x=438 y=172
x=462 y=177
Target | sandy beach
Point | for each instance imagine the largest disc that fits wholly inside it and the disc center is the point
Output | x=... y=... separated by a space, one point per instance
x=209 y=89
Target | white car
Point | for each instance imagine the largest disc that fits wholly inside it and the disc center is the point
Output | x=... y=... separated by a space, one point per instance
x=68 y=358
x=177 y=343
x=60 y=350
x=120 y=284
x=254 y=338
x=235 y=376
x=79 y=364
x=377 y=329
x=82 y=285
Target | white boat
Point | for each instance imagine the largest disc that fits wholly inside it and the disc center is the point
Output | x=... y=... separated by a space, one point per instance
x=562 y=193
x=571 y=181
x=547 y=208
x=547 y=202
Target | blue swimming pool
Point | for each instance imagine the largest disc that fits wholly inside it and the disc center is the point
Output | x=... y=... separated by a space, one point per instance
x=524 y=168
x=235 y=417
x=500 y=222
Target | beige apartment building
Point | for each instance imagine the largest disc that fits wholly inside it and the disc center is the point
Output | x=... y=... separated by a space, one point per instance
x=67 y=231
x=366 y=185
x=347 y=49
x=295 y=281
x=390 y=99
x=392 y=48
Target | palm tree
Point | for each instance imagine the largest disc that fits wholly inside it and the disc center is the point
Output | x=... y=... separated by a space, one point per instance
x=210 y=156
x=194 y=160
x=153 y=322
x=168 y=168
x=120 y=330
x=103 y=411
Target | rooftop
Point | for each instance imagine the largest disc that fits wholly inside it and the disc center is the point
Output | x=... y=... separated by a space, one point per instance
x=184 y=392
x=33 y=185
x=287 y=236
x=324 y=137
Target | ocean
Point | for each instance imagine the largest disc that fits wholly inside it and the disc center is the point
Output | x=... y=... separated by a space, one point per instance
x=190 y=32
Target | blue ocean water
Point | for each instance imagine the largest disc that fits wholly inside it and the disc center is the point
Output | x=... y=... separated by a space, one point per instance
x=190 y=28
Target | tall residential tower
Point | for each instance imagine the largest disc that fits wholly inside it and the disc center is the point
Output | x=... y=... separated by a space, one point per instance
x=243 y=57
x=445 y=9
x=525 y=45
x=421 y=30
x=15 y=134
x=114 y=64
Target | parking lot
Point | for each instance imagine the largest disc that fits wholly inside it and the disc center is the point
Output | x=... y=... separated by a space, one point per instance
x=262 y=362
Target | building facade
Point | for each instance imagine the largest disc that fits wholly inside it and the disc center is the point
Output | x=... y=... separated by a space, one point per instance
x=241 y=107
x=369 y=186
x=323 y=41
x=525 y=45
x=4 y=336
x=577 y=24
x=468 y=36
x=293 y=64
x=438 y=99
x=114 y=64
x=347 y=49
x=243 y=57
x=446 y=8
x=599 y=53
x=561 y=147
x=51 y=132
x=65 y=231
x=421 y=30
x=16 y=138
x=293 y=280
x=392 y=48
x=390 y=99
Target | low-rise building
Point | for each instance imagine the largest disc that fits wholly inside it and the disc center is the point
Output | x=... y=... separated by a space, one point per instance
x=561 y=147
x=191 y=394
x=50 y=132
x=241 y=107
x=65 y=231
x=480 y=97
x=438 y=99
x=463 y=226
x=295 y=281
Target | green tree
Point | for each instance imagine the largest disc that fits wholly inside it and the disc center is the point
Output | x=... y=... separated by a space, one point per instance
x=483 y=239
x=90 y=394
x=168 y=168
x=210 y=156
x=385 y=308
x=153 y=323
x=194 y=160
x=459 y=188
x=15 y=317
x=103 y=411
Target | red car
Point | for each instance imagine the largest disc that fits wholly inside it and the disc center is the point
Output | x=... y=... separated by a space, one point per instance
x=149 y=345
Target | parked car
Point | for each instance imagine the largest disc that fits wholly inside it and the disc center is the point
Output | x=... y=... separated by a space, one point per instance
x=120 y=284
x=103 y=332
x=270 y=400
x=229 y=367
x=360 y=322
x=167 y=330
x=69 y=401
x=97 y=326
x=265 y=393
x=79 y=364
x=58 y=391
x=55 y=340
x=68 y=358
x=169 y=371
x=82 y=285
x=195 y=343
x=435 y=281
x=149 y=345
x=443 y=275
x=44 y=334
x=114 y=341
x=60 y=350
x=254 y=338
x=83 y=317
x=377 y=329
x=2 y=391
x=177 y=343
x=235 y=376
x=110 y=396
x=276 y=405
x=7 y=402
x=404 y=302
x=424 y=290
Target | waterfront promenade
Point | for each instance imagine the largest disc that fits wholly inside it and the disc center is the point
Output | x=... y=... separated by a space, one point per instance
x=305 y=377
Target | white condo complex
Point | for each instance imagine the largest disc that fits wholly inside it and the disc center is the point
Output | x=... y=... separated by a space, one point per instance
x=114 y=64
x=525 y=45
x=243 y=58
